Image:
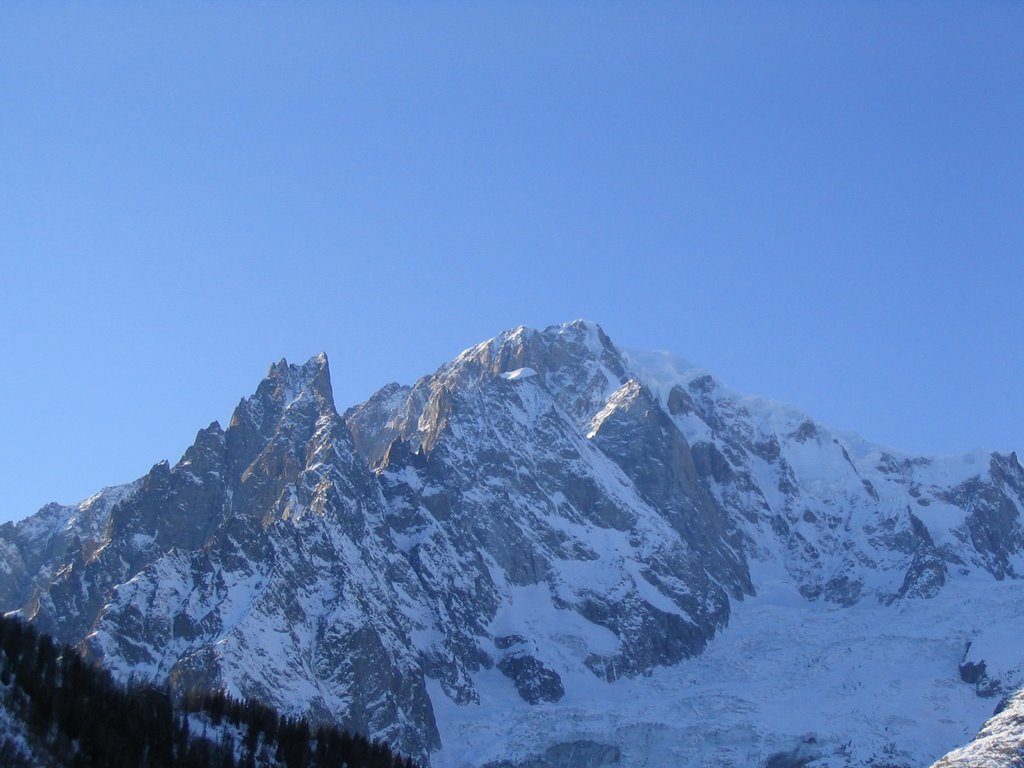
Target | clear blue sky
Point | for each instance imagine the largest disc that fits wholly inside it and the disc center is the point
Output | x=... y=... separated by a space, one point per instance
x=820 y=202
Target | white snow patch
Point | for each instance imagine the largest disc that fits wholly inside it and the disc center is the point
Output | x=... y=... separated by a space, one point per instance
x=519 y=373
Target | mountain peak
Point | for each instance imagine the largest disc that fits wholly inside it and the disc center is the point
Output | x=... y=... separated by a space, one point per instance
x=544 y=515
x=284 y=385
x=582 y=325
x=289 y=394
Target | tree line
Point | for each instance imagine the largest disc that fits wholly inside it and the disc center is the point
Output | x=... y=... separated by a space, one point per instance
x=74 y=714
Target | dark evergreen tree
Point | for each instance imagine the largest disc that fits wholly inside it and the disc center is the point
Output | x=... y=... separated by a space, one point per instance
x=81 y=717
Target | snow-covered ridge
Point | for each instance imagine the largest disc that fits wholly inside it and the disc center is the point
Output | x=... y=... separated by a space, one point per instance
x=662 y=371
x=509 y=556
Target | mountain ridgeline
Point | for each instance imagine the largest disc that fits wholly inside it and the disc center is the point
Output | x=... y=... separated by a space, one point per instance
x=544 y=521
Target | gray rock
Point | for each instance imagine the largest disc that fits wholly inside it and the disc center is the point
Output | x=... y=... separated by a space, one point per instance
x=534 y=681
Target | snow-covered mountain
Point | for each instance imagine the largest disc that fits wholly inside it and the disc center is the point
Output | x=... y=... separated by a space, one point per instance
x=554 y=552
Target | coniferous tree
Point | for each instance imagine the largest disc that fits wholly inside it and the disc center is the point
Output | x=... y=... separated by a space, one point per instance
x=81 y=717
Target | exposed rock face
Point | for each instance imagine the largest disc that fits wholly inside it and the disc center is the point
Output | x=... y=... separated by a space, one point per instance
x=534 y=681
x=259 y=563
x=999 y=744
x=544 y=506
x=972 y=671
x=515 y=471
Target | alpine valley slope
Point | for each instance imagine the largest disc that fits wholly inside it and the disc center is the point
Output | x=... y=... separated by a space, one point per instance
x=553 y=552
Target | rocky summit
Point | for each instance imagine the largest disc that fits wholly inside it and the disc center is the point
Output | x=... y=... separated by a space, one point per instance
x=554 y=552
